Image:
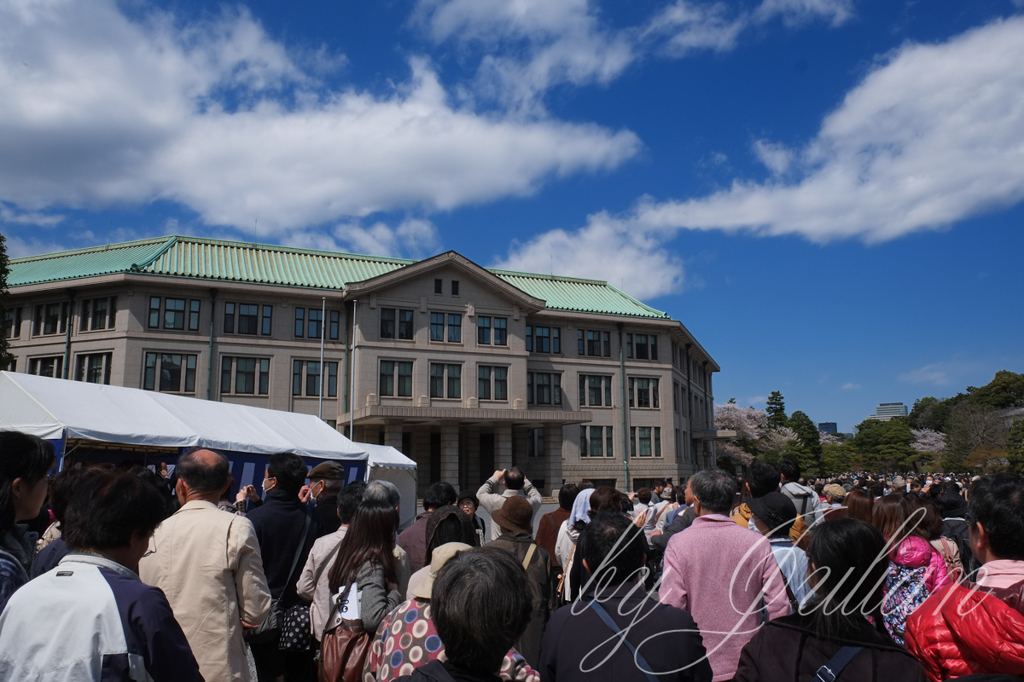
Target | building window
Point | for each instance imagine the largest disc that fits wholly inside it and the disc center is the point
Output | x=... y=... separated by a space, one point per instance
x=492 y=383
x=268 y=320
x=12 y=323
x=501 y=331
x=642 y=346
x=229 y=318
x=535 y=442
x=300 y=321
x=454 y=328
x=438 y=286
x=645 y=441
x=484 y=326
x=334 y=332
x=170 y=372
x=93 y=368
x=543 y=339
x=594 y=343
x=437 y=326
x=194 y=306
x=47 y=367
x=483 y=330
x=595 y=390
x=174 y=313
x=646 y=392
x=98 y=313
x=455 y=287
x=392 y=320
x=596 y=441
x=248 y=318
x=251 y=375
x=154 y=312
x=311 y=370
x=316 y=319
x=543 y=388
x=51 y=318
x=388 y=384
x=438 y=374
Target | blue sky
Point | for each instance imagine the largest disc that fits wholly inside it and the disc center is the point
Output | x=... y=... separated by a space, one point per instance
x=826 y=192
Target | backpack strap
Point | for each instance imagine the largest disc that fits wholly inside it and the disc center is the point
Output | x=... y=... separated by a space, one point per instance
x=831 y=670
x=641 y=662
x=529 y=556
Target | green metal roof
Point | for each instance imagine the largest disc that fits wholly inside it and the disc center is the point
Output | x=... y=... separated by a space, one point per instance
x=212 y=259
x=579 y=295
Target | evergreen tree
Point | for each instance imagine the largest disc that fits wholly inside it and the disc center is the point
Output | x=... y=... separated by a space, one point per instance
x=776 y=409
x=1015 y=447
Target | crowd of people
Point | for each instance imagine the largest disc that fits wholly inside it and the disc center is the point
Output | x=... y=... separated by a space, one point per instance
x=137 y=574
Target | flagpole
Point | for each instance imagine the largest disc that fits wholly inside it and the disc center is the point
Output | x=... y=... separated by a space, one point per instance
x=323 y=370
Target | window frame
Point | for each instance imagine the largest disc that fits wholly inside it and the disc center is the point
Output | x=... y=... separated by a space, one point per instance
x=553 y=384
x=153 y=374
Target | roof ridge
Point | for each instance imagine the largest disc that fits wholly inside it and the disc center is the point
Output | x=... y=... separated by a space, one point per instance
x=292 y=249
x=639 y=303
x=554 y=278
x=91 y=249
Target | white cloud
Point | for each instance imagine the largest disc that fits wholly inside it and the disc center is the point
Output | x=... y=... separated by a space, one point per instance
x=528 y=46
x=931 y=136
x=850 y=387
x=776 y=157
x=16 y=217
x=412 y=238
x=18 y=247
x=935 y=374
x=634 y=262
x=99 y=110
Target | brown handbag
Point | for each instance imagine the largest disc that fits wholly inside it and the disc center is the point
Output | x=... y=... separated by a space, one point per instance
x=343 y=653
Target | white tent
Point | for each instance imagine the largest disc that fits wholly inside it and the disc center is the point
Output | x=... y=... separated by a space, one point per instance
x=385 y=463
x=57 y=408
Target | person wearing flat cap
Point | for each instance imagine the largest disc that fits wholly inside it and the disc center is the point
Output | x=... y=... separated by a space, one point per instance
x=515 y=519
x=325 y=482
x=407 y=637
x=773 y=515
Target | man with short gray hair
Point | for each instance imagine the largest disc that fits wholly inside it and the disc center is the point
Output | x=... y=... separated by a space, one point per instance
x=724 y=575
x=208 y=564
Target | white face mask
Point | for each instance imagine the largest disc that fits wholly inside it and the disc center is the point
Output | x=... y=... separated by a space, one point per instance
x=267 y=487
x=751 y=525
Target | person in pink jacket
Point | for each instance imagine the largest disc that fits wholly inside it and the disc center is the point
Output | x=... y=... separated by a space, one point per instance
x=916 y=569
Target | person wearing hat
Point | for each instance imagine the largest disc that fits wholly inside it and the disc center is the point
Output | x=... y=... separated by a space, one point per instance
x=325 y=482
x=407 y=637
x=515 y=519
x=468 y=503
x=773 y=516
x=834 y=495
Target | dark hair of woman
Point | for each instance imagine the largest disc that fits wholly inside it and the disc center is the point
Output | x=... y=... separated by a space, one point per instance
x=890 y=516
x=931 y=523
x=370 y=539
x=606 y=499
x=109 y=509
x=449 y=524
x=22 y=457
x=859 y=503
x=853 y=552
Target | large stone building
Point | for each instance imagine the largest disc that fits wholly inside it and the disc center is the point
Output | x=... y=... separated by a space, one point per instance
x=464 y=369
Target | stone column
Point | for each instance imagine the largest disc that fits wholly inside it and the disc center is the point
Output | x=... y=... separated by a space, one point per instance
x=519 y=450
x=473 y=473
x=450 y=453
x=421 y=453
x=552 y=458
x=393 y=434
x=502 y=448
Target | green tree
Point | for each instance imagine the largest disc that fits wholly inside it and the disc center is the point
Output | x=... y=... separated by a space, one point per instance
x=776 y=409
x=972 y=426
x=1015 y=447
x=931 y=413
x=5 y=356
x=807 y=449
x=1005 y=390
x=886 y=445
x=837 y=458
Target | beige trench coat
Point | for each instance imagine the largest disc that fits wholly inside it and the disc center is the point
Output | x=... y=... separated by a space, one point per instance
x=208 y=563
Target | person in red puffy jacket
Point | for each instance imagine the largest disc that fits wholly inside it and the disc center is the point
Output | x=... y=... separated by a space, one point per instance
x=976 y=628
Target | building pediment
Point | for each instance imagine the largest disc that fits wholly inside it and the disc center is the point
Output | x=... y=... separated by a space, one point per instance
x=449 y=260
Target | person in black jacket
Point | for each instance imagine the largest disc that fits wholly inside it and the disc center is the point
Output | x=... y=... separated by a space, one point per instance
x=281 y=527
x=848 y=563
x=581 y=643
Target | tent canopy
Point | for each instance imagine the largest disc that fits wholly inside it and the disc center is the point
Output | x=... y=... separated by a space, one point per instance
x=55 y=408
x=385 y=463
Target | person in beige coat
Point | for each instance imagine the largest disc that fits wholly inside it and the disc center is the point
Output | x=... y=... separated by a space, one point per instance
x=208 y=564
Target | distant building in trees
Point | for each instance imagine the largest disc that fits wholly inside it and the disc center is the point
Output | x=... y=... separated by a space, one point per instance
x=828 y=427
x=886 y=411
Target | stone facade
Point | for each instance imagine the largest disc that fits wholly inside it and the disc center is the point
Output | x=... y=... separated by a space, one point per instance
x=455 y=367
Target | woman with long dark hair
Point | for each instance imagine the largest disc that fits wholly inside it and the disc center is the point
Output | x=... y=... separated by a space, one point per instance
x=848 y=564
x=363 y=583
x=858 y=503
x=24 y=462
